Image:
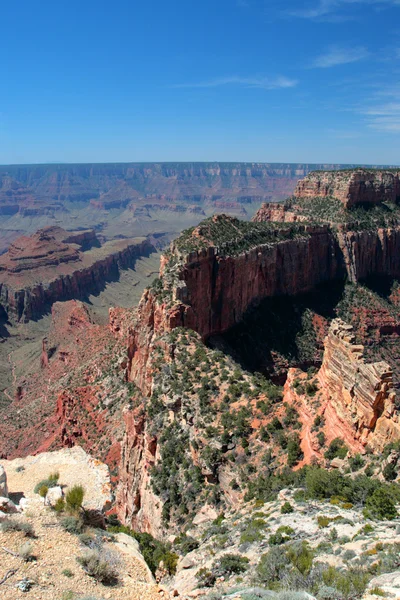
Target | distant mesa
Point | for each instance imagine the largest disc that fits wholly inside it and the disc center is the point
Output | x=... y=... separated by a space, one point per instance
x=352 y=187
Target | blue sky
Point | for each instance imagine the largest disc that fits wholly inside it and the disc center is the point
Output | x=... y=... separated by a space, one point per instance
x=183 y=80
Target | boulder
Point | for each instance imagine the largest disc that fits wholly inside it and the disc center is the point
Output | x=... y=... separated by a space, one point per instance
x=389 y=583
x=129 y=546
x=53 y=495
x=3 y=482
x=205 y=514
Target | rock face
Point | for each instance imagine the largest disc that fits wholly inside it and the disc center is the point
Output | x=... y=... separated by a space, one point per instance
x=136 y=502
x=54 y=264
x=361 y=393
x=215 y=291
x=352 y=188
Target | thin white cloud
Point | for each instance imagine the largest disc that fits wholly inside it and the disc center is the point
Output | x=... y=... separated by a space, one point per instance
x=340 y=56
x=384 y=117
x=329 y=9
x=265 y=83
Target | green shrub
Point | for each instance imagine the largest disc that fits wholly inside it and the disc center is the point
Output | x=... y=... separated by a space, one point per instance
x=286 y=508
x=67 y=573
x=277 y=539
x=323 y=521
x=311 y=388
x=356 y=462
x=376 y=591
x=74 y=498
x=294 y=451
x=185 y=544
x=51 y=481
x=59 y=506
x=72 y=524
x=275 y=425
x=380 y=505
x=301 y=556
x=43 y=491
x=230 y=564
x=337 y=449
x=390 y=472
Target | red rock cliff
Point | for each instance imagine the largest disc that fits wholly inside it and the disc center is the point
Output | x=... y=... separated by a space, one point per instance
x=352 y=188
x=359 y=394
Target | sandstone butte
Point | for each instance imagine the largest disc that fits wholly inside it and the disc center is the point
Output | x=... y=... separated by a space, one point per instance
x=352 y=187
x=54 y=264
x=208 y=280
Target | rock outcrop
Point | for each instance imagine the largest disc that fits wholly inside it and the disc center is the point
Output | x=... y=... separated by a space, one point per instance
x=54 y=264
x=74 y=466
x=351 y=187
x=360 y=393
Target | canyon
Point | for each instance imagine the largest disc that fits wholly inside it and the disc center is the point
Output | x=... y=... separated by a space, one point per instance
x=137 y=199
x=160 y=392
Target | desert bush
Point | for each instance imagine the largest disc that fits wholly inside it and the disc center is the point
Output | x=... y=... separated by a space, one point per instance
x=205 y=577
x=286 y=508
x=43 y=491
x=26 y=552
x=356 y=462
x=72 y=524
x=380 y=505
x=294 y=451
x=74 y=498
x=230 y=564
x=59 y=506
x=67 y=573
x=337 y=449
x=15 y=525
x=390 y=472
x=350 y=583
x=102 y=566
x=86 y=539
x=51 y=481
x=323 y=521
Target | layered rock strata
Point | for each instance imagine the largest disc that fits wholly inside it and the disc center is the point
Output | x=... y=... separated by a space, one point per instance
x=352 y=188
x=360 y=393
